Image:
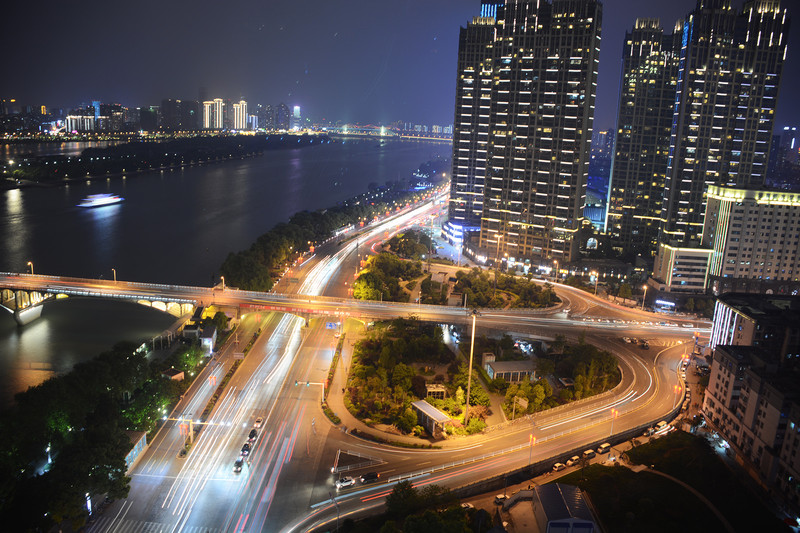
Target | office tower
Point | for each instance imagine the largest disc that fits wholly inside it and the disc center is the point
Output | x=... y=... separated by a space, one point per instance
x=543 y=58
x=282 y=117
x=644 y=124
x=240 y=115
x=727 y=90
x=149 y=118
x=471 y=132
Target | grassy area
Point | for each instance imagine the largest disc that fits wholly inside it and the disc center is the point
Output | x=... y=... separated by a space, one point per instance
x=629 y=502
x=692 y=460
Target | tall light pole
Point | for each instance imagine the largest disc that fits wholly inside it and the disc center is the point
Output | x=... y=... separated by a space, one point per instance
x=469 y=375
x=30 y=264
x=530 y=453
x=645 y=296
x=555 y=277
x=614 y=414
x=114 y=270
x=223 y=282
x=596 y=278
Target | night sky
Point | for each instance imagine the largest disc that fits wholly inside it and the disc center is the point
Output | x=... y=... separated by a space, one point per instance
x=368 y=61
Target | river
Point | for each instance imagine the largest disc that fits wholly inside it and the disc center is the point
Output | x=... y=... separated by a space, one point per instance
x=174 y=226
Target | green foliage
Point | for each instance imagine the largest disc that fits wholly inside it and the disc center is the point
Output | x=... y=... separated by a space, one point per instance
x=382 y=382
x=479 y=286
x=411 y=244
x=380 y=279
x=625 y=291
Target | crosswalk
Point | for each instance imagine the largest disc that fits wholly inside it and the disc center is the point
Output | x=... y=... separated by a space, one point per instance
x=109 y=525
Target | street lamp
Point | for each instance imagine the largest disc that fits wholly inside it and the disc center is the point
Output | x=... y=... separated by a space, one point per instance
x=530 y=453
x=469 y=375
x=223 y=282
x=555 y=277
x=614 y=414
x=30 y=264
x=596 y=278
x=114 y=270
x=645 y=296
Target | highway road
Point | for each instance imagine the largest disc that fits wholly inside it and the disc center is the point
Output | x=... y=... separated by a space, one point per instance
x=286 y=483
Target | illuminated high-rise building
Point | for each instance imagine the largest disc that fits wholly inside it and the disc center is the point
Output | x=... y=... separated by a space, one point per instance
x=724 y=110
x=213 y=118
x=296 y=122
x=644 y=124
x=240 y=115
x=471 y=131
x=543 y=59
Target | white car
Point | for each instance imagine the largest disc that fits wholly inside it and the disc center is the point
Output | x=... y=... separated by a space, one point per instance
x=343 y=482
x=573 y=460
x=258 y=422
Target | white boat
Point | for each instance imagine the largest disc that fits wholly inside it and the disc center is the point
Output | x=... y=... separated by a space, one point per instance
x=99 y=200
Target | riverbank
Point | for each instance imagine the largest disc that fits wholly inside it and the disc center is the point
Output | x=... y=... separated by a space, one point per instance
x=116 y=160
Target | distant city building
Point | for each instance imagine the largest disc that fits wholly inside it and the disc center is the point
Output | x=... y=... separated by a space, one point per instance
x=267 y=119
x=282 y=117
x=296 y=122
x=170 y=114
x=213 y=118
x=190 y=115
x=240 y=115
x=754 y=234
x=80 y=120
x=644 y=122
x=727 y=91
x=149 y=118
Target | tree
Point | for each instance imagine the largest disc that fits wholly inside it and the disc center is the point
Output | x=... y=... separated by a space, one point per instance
x=689 y=305
x=625 y=291
x=403 y=501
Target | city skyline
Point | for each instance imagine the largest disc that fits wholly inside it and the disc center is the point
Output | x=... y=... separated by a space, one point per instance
x=318 y=62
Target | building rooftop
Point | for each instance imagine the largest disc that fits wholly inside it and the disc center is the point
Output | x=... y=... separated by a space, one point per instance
x=512 y=366
x=765 y=306
x=562 y=502
x=431 y=412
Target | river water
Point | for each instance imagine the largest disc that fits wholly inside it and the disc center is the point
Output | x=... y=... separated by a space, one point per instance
x=174 y=226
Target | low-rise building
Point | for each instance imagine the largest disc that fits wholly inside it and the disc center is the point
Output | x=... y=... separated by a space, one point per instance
x=429 y=417
x=771 y=322
x=511 y=371
x=680 y=270
x=562 y=508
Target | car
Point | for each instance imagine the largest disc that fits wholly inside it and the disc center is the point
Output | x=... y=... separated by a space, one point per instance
x=237 y=465
x=500 y=499
x=369 y=477
x=604 y=448
x=588 y=454
x=573 y=460
x=467 y=505
x=253 y=435
x=246 y=449
x=343 y=482
x=558 y=467
x=258 y=422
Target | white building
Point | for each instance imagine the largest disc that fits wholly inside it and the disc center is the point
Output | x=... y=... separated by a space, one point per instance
x=240 y=115
x=754 y=233
x=680 y=270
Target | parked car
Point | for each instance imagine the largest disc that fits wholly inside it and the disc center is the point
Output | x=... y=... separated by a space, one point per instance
x=588 y=454
x=573 y=460
x=500 y=499
x=558 y=467
x=467 y=505
x=604 y=448
x=343 y=482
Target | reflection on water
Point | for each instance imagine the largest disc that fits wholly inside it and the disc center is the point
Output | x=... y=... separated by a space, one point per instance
x=103 y=222
x=70 y=331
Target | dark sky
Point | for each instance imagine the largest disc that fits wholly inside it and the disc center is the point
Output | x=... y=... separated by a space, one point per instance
x=366 y=61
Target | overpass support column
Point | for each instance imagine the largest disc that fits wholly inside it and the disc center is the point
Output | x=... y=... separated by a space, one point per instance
x=28 y=314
